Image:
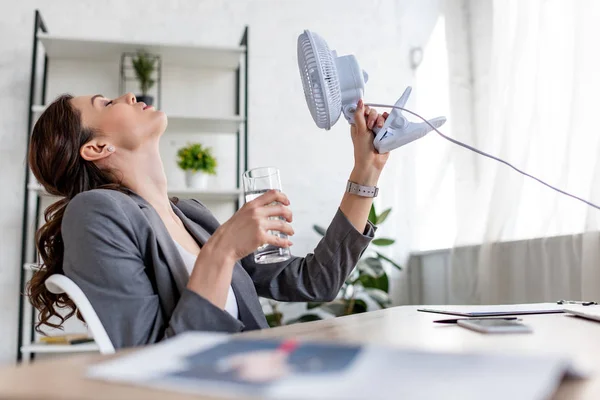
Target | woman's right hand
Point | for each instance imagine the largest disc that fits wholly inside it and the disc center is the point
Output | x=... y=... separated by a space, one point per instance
x=249 y=227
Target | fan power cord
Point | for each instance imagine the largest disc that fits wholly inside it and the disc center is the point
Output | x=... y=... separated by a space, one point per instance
x=466 y=146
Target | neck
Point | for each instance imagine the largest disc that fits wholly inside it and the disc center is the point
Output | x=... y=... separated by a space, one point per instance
x=146 y=177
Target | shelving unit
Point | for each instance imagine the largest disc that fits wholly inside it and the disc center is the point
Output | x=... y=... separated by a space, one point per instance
x=191 y=124
x=184 y=193
x=174 y=54
x=59 y=348
x=48 y=48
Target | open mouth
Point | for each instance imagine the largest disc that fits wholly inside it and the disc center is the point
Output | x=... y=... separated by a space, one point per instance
x=146 y=107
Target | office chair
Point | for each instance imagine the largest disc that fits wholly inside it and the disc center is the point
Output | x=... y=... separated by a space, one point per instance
x=58 y=284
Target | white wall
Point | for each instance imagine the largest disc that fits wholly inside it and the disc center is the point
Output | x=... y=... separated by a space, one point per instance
x=314 y=164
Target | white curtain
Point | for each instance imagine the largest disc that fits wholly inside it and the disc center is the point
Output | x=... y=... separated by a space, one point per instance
x=524 y=85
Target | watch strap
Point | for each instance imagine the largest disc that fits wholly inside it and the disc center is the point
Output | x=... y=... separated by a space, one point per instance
x=361 y=190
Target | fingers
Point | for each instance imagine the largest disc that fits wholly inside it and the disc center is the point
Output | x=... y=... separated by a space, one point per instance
x=372 y=118
x=270 y=197
x=279 y=226
x=277 y=241
x=277 y=211
x=359 y=116
x=271 y=212
x=380 y=120
x=271 y=204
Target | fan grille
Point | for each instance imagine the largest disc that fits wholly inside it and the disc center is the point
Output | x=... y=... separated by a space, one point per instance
x=319 y=79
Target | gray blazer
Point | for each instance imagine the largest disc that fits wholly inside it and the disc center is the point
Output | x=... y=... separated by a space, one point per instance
x=117 y=249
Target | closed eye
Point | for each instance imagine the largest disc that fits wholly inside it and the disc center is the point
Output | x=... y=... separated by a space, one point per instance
x=108 y=103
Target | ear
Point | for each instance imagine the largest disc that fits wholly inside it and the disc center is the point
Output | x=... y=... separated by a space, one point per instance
x=96 y=150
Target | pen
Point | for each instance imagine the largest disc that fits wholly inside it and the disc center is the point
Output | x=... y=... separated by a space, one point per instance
x=83 y=340
x=455 y=320
x=582 y=303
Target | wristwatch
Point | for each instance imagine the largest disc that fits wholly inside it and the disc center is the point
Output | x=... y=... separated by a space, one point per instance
x=360 y=190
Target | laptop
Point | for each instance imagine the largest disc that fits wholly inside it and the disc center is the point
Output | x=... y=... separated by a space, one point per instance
x=584 y=312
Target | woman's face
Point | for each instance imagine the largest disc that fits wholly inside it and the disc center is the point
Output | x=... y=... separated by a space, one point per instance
x=122 y=122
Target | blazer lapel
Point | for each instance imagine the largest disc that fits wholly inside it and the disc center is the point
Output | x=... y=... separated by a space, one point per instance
x=170 y=253
x=202 y=236
x=249 y=307
x=198 y=232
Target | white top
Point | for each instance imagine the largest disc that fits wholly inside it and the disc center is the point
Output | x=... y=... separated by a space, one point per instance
x=189 y=260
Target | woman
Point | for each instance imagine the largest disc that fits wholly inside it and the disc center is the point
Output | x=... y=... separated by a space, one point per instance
x=152 y=267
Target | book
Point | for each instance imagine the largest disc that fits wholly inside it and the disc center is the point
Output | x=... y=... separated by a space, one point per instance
x=74 y=338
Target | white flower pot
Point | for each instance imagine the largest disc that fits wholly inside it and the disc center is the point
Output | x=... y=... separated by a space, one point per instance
x=196 y=179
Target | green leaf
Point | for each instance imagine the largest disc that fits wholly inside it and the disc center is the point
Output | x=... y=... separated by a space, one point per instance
x=359 y=307
x=337 y=308
x=373 y=215
x=311 y=305
x=381 y=297
x=383 y=216
x=354 y=275
x=304 y=318
x=365 y=269
x=375 y=267
x=143 y=65
x=274 y=319
x=388 y=260
x=319 y=230
x=383 y=242
x=381 y=283
x=196 y=157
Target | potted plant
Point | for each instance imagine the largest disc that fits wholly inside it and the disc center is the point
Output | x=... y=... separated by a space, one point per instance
x=144 y=65
x=198 y=162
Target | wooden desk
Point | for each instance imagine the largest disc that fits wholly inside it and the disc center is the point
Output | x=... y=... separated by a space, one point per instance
x=399 y=327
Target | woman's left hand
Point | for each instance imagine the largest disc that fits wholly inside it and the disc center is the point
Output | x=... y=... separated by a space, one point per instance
x=366 y=157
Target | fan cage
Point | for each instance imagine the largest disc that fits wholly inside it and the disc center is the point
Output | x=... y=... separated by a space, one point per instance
x=319 y=79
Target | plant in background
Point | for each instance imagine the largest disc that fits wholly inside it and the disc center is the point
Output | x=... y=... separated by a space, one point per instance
x=143 y=65
x=368 y=281
x=197 y=158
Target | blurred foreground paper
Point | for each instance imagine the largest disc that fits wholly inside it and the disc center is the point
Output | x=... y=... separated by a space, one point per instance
x=215 y=364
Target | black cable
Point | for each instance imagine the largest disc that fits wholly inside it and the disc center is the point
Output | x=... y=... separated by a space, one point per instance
x=466 y=146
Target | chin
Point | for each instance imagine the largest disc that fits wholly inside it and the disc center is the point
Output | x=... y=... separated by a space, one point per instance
x=162 y=123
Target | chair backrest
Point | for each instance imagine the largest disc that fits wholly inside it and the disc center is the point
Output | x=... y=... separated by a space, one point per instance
x=58 y=284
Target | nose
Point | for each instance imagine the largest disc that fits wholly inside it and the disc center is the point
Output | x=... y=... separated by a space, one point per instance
x=128 y=98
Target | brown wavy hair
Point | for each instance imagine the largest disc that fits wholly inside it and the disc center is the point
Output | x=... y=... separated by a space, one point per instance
x=54 y=159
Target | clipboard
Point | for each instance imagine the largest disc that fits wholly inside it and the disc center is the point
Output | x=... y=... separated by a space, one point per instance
x=496 y=310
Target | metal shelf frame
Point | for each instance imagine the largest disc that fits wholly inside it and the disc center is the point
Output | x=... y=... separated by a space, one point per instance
x=33 y=196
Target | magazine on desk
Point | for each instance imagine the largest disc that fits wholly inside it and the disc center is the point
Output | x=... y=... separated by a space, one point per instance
x=224 y=365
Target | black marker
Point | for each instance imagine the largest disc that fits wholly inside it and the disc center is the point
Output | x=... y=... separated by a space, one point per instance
x=455 y=320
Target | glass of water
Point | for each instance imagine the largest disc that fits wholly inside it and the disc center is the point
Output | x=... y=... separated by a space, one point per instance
x=256 y=182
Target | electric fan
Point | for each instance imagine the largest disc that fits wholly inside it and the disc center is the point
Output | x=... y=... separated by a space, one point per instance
x=333 y=85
